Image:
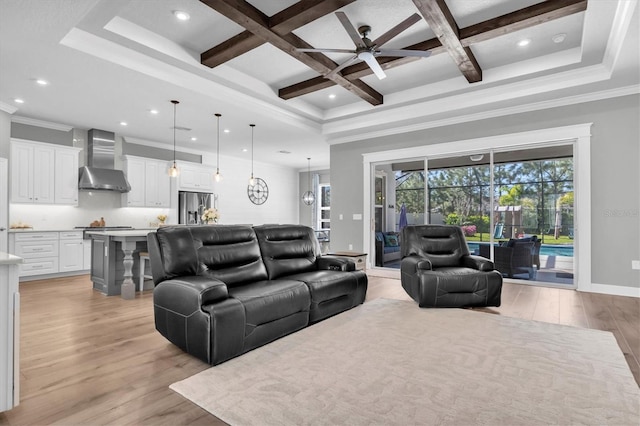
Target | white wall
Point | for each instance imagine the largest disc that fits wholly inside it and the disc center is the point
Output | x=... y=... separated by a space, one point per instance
x=234 y=204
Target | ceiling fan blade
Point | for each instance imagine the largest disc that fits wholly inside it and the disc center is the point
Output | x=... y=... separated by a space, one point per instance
x=374 y=65
x=326 y=50
x=403 y=52
x=396 y=30
x=341 y=67
x=351 y=30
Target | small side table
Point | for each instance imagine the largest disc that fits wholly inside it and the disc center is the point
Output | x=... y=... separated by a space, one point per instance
x=360 y=259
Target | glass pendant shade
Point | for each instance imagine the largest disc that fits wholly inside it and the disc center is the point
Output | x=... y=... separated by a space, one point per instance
x=173 y=170
x=309 y=197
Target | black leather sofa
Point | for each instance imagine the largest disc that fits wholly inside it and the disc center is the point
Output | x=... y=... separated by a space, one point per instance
x=223 y=290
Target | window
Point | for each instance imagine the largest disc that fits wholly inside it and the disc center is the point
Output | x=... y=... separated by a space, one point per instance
x=324 y=207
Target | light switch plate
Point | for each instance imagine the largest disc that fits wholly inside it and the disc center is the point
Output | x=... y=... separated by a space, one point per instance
x=357 y=216
x=635 y=264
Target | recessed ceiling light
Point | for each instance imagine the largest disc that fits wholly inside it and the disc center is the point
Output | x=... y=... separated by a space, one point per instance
x=42 y=82
x=559 y=38
x=227 y=130
x=244 y=150
x=524 y=42
x=181 y=15
x=153 y=111
x=194 y=138
x=123 y=123
x=18 y=101
x=332 y=96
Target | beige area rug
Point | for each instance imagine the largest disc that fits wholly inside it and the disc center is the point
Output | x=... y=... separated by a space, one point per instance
x=389 y=362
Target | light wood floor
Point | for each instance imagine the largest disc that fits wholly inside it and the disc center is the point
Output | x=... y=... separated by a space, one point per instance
x=89 y=359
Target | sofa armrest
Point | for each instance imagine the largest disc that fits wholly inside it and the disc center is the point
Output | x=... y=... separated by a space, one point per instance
x=477 y=262
x=186 y=295
x=335 y=263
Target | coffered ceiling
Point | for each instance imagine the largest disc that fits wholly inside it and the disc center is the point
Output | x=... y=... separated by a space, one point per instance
x=113 y=61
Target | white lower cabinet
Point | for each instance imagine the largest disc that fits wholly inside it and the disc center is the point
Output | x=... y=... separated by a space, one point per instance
x=50 y=252
x=40 y=251
x=71 y=251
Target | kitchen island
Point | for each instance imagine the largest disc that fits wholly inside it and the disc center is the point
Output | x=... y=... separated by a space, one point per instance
x=114 y=255
x=9 y=331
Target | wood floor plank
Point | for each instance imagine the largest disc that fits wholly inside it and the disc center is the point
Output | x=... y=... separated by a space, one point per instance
x=90 y=359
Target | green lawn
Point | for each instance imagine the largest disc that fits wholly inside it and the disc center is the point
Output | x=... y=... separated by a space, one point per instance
x=548 y=239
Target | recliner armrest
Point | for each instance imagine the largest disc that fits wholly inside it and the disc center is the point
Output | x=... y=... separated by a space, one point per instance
x=188 y=294
x=335 y=263
x=413 y=264
x=477 y=262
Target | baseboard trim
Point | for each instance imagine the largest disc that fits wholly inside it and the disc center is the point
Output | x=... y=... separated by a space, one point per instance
x=614 y=290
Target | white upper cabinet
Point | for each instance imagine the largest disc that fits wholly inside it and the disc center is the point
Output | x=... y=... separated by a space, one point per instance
x=66 y=177
x=134 y=168
x=157 y=184
x=195 y=177
x=150 y=183
x=43 y=173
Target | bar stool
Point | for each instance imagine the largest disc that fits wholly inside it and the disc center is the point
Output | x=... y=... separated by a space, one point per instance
x=144 y=257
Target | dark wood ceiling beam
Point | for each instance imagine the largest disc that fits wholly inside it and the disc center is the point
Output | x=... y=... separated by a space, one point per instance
x=521 y=19
x=441 y=22
x=244 y=14
x=487 y=30
x=283 y=22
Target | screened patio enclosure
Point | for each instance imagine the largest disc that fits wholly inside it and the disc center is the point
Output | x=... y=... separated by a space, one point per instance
x=515 y=207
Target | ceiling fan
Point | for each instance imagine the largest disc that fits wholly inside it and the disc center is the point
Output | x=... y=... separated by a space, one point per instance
x=367 y=50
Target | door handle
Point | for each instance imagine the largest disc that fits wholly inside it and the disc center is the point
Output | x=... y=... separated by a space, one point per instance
x=3 y=229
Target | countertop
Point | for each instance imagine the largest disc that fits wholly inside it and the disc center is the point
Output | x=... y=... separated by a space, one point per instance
x=127 y=233
x=74 y=229
x=9 y=259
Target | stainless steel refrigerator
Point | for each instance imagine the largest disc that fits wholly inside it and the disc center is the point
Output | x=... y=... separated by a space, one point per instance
x=191 y=205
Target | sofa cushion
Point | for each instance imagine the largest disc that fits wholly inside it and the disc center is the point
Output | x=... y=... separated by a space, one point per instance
x=287 y=249
x=326 y=285
x=229 y=253
x=266 y=301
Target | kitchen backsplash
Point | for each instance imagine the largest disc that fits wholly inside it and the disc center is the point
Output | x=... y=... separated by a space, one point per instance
x=91 y=206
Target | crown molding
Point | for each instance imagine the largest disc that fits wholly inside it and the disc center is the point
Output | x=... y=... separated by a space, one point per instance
x=536 y=106
x=10 y=109
x=41 y=123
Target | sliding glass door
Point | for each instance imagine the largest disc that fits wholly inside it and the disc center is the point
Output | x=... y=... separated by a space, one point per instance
x=514 y=206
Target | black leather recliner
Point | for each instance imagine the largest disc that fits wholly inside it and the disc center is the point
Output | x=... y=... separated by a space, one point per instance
x=224 y=290
x=438 y=271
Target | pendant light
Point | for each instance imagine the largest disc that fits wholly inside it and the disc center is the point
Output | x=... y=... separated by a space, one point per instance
x=218 y=176
x=252 y=181
x=173 y=170
x=309 y=197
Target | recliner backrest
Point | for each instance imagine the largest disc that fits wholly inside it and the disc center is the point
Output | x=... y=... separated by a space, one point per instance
x=287 y=249
x=443 y=245
x=229 y=253
x=172 y=253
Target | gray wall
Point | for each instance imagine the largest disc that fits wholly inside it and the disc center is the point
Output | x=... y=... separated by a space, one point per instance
x=41 y=134
x=615 y=176
x=5 y=133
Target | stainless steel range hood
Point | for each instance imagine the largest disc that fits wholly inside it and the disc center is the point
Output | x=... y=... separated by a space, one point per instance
x=99 y=173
